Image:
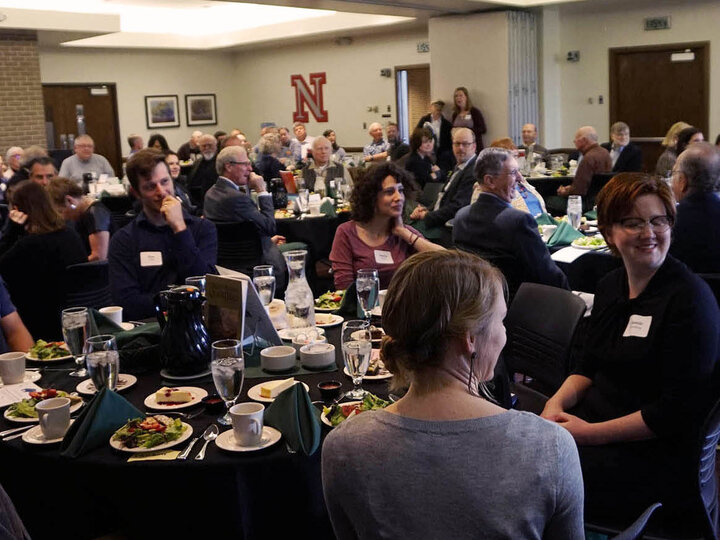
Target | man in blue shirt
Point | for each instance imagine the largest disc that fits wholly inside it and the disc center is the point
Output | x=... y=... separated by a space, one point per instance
x=163 y=245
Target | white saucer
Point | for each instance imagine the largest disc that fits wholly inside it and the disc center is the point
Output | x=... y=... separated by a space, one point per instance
x=254 y=393
x=197 y=393
x=165 y=375
x=30 y=377
x=226 y=440
x=35 y=436
x=125 y=381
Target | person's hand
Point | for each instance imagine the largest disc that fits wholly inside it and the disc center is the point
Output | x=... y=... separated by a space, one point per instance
x=435 y=168
x=18 y=217
x=562 y=191
x=278 y=240
x=551 y=411
x=419 y=213
x=583 y=432
x=367 y=158
x=171 y=211
x=257 y=183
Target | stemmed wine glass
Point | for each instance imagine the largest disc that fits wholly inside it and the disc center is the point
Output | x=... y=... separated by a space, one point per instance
x=367 y=285
x=264 y=281
x=76 y=329
x=103 y=361
x=228 y=372
x=357 y=349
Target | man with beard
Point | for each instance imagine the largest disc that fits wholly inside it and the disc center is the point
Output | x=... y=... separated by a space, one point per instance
x=203 y=175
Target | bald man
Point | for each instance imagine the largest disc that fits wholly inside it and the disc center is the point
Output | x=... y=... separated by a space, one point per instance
x=377 y=150
x=530 y=145
x=84 y=161
x=595 y=159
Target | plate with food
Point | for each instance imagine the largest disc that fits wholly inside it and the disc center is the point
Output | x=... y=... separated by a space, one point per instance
x=330 y=301
x=53 y=351
x=288 y=334
x=24 y=411
x=376 y=334
x=150 y=433
x=124 y=382
x=376 y=369
x=269 y=390
x=326 y=320
x=179 y=397
x=284 y=214
x=339 y=412
x=589 y=242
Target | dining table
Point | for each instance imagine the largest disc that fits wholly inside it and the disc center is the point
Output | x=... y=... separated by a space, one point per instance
x=269 y=493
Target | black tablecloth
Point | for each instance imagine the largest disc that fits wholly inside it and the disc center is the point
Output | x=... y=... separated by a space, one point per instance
x=547 y=186
x=265 y=494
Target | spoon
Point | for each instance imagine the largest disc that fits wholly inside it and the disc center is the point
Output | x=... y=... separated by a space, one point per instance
x=210 y=434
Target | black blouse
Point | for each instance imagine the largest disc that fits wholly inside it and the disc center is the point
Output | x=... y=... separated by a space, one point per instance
x=95 y=219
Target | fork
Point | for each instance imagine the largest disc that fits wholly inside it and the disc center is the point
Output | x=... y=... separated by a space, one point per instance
x=186 y=416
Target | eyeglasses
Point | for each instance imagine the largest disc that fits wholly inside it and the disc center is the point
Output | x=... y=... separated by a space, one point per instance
x=636 y=225
x=463 y=144
x=239 y=162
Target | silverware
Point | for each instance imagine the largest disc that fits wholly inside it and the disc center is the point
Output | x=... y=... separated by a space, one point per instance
x=186 y=416
x=15 y=430
x=186 y=452
x=14 y=436
x=210 y=434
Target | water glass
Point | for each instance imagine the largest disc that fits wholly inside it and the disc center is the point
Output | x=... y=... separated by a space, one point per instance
x=228 y=372
x=264 y=281
x=76 y=329
x=574 y=210
x=303 y=199
x=197 y=281
x=367 y=285
x=357 y=349
x=103 y=361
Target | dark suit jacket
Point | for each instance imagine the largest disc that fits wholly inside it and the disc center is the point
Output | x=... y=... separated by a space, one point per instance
x=696 y=236
x=445 y=134
x=493 y=227
x=457 y=196
x=629 y=160
x=225 y=203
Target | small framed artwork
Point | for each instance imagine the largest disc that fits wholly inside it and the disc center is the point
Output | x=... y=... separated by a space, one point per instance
x=162 y=111
x=200 y=109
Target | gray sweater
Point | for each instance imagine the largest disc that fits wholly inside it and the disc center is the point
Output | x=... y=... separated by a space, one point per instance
x=513 y=475
x=74 y=169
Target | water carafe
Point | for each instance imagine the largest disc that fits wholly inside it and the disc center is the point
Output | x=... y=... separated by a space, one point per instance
x=299 y=300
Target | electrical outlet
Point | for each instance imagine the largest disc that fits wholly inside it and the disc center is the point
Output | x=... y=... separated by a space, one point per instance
x=601 y=100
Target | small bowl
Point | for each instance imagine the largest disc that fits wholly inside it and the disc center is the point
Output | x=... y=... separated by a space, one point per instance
x=329 y=390
x=300 y=340
x=279 y=358
x=213 y=404
x=317 y=355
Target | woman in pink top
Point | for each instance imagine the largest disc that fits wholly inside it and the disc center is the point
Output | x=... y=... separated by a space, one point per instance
x=376 y=236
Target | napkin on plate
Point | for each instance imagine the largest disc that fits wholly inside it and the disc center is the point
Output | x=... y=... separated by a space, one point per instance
x=104 y=415
x=298 y=420
x=546 y=219
x=328 y=207
x=564 y=235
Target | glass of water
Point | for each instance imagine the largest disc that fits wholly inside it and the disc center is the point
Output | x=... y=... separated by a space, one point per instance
x=76 y=329
x=303 y=199
x=228 y=372
x=574 y=210
x=367 y=285
x=196 y=281
x=357 y=349
x=264 y=281
x=103 y=361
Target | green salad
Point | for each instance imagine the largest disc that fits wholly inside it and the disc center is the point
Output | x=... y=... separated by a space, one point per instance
x=590 y=241
x=330 y=300
x=149 y=432
x=42 y=350
x=338 y=413
x=26 y=407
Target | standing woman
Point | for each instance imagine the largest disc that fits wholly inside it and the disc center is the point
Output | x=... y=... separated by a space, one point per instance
x=466 y=115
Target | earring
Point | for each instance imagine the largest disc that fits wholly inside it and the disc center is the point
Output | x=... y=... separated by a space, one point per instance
x=73 y=206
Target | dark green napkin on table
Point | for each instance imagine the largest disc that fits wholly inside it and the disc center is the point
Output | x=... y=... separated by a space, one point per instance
x=296 y=417
x=564 y=235
x=100 y=324
x=107 y=412
x=546 y=219
x=290 y=246
x=591 y=215
x=139 y=348
x=328 y=208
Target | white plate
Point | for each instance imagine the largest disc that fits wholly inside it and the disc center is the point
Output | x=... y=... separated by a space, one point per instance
x=254 y=393
x=117 y=445
x=226 y=440
x=381 y=377
x=325 y=310
x=287 y=334
x=375 y=340
x=588 y=248
x=591 y=229
x=325 y=419
x=127 y=325
x=33 y=358
x=333 y=320
x=125 y=381
x=23 y=420
x=592 y=222
x=197 y=394
x=35 y=436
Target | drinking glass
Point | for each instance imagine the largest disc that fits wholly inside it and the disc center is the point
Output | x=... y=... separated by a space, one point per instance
x=75 y=329
x=228 y=372
x=264 y=281
x=574 y=210
x=357 y=349
x=367 y=285
x=196 y=281
x=303 y=199
x=103 y=361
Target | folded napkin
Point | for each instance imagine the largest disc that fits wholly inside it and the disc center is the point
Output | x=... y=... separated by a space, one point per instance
x=290 y=246
x=328 y=207
x=139 y=348
x=564 y=235
x=349 y=307
x=298 y=420
x=546 y=219
x=104 y=415
x=591 y=215
x=100 y=324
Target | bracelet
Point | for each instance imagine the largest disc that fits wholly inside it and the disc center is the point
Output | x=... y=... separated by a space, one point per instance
x=416 y=239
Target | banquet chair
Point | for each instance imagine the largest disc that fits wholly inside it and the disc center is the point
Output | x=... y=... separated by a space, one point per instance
x=87 y=285
x=597 y=182
x=430 y=193
x=506 y=263
x=239 y=246
x=713 y=280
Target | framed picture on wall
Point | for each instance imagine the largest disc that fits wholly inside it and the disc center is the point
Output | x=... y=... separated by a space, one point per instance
x=200 y=109
x=162 y=111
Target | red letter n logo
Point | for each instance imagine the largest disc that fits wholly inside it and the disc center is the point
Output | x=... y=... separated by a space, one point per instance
x=312 y=98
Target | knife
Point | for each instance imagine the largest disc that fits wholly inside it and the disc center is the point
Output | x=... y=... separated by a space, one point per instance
x=15 y=430
x=186 y=452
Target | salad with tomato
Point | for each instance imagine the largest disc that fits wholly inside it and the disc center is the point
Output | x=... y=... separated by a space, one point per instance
x=331 y=300
x=150 y=431
x=338 y=413
x=26 y=407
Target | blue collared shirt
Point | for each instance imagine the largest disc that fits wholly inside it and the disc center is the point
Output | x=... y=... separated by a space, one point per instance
x=376 y=148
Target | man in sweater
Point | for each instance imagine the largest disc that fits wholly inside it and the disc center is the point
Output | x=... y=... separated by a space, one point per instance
x=85 y=161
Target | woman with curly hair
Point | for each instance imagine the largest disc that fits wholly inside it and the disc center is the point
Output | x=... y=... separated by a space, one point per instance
x=376 y=236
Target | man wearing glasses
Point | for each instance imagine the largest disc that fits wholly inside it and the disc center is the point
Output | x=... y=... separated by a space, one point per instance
x=85 y=161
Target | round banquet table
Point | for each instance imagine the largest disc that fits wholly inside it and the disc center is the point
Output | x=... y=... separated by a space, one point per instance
x=264 y=494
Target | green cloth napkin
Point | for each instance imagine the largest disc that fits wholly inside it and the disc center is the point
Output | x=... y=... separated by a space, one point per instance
x=328 y=209
x=591 y=215
x=546 y=219
x=564 y=235
x=349 y=307
x=298 y=420
x=289 y=246
x=107 y=412
x=100 y=324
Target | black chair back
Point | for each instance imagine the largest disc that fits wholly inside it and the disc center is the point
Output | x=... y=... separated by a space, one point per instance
x=507 y=264
x=430 y=193
x=88 y=285
x=707 y=478
x=713 y=280
x=597 y=182
x=239 y=246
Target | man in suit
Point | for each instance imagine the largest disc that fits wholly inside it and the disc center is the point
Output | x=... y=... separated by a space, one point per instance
x=509 y=237
x=696 y=184
x=529 y=137
x=626 y=156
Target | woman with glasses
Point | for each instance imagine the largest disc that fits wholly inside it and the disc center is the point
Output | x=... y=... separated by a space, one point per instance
x=636 y=401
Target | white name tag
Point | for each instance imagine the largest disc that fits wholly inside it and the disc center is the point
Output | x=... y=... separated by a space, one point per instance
x=383 y=257
x=468 y=117
x=150 y=258
x=638 y=326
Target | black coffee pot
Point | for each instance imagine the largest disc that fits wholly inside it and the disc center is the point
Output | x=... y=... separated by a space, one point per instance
x=279 y=193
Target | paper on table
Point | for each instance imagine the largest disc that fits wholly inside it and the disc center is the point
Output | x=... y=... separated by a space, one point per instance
x=162 y=455
x=568 y=254
x=12 y=393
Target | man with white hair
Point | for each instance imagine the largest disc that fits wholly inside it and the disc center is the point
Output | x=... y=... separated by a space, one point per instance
x=85 y=161
x=322 y=170
x=626 y=156
x=203 y=174
x=13 y=158
x=136 y=143
x=377 y=150
x=190 y=149
x=595 y=159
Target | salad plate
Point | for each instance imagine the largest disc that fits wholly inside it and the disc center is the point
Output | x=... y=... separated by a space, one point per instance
x=346 y=410
x=226 y=440
x=327 y=320
x=329 y=302
x=74 y=407
x=254 y=392
x=57 y=346
x=197 y=395
x=118 y=445
x=589 y=243
x=35 y=436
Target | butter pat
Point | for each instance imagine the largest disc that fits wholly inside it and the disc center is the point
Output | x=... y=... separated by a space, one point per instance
x=172 y=395
x=271 y=389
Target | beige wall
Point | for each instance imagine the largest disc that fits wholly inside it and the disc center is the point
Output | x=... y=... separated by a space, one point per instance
x=472 y=51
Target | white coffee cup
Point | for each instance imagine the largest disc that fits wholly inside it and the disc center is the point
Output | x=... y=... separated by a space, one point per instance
x=12 y=367
x=247 y=423
x=54 y=417
x=314 y=209
x=114 y=313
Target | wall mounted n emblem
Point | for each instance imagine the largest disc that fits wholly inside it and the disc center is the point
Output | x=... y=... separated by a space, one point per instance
x=309 y=97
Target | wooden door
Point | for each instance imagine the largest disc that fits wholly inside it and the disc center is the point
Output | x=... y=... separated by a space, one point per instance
x=418 y=94
x=99 y=104
x=650 y=90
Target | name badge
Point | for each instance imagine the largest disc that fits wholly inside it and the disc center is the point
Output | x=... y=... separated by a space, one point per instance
x=638 y=326
x=468 y=117
x=383 y=257
x=150 y=258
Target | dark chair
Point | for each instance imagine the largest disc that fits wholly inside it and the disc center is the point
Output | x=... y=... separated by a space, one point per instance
x=713 y=280
x=597 y=182
x=120 y=219
x=540 y=326
x=88 y=285
x=239 y=246
x=507 y=264
x=430 y=193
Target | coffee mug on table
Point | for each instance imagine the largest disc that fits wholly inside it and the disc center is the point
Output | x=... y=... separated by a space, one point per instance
x=247 y=423
x=12 y=367
x=54 y=417
x=114 y=313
